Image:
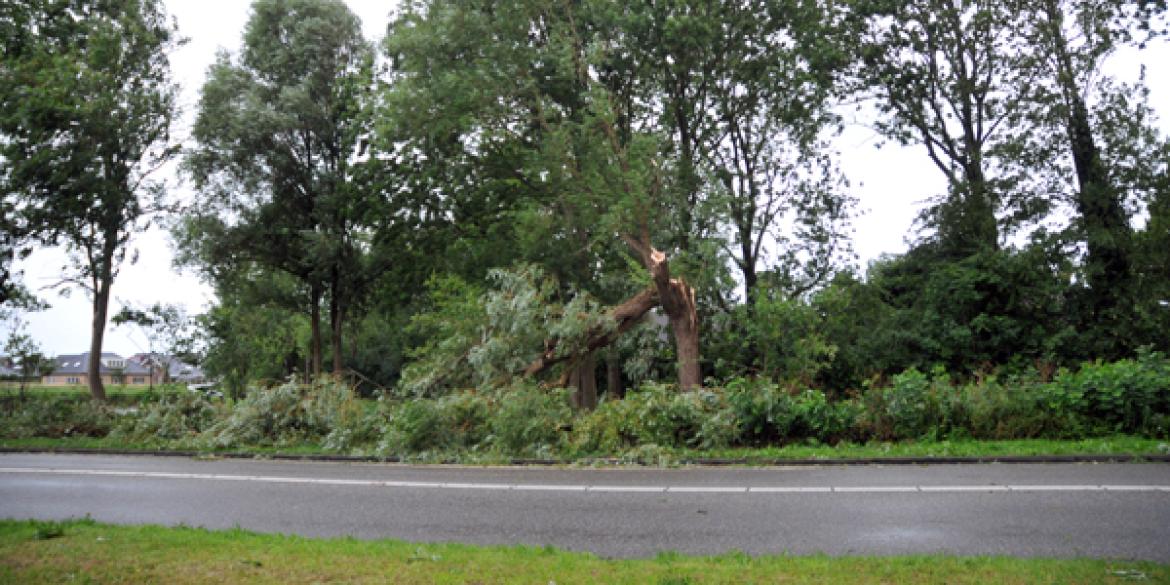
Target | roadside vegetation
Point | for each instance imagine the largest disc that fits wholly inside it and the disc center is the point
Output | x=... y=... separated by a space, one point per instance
x=621 y=230
x=88 y=552
x=1102 y=408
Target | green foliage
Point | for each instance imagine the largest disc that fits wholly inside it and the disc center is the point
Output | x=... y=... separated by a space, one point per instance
x=1130 y=396
x=531 y=421
x=275 y=204
x=484 y=340
x=254 y=335
x=649 y=424
x=449 y=327
x=177 y=416
x=57 y=416
x=454 y=422
x=784 y=336
x=912 y=404
x=669 y=418
x=86 y=104
x=283 y=415
x=48 y=529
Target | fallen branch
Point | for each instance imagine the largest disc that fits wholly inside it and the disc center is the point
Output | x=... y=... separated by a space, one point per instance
x=625 y=315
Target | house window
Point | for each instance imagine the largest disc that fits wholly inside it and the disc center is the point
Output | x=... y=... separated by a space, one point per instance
x=72 y=380
x=138 y=380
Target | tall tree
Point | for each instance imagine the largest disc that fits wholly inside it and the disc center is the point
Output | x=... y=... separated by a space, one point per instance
x=1070 y=42
x=86 y=103
x=517 y=80
x=278 y=134
x=950 y=75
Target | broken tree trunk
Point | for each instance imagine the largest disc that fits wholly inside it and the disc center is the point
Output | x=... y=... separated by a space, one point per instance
x=678 y=301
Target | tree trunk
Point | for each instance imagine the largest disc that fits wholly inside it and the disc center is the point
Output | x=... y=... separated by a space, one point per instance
x=613 y=376
x=678 y=301
x=315 y=328
x=584 y=382
x=335 y=323
x=101 y=306
x=1104 y=222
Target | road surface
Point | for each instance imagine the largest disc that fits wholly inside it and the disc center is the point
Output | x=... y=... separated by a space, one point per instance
x=1067 y=510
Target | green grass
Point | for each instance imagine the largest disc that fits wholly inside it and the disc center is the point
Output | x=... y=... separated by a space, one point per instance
x=1111 y=445
x=10 y=389
x=87 y=552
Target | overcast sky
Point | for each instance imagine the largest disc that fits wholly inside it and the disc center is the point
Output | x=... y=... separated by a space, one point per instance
x=890 y=183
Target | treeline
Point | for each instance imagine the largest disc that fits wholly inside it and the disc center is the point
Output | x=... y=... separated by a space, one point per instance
x=597 y=194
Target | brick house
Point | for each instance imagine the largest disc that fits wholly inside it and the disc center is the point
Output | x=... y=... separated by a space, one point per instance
x=73 y=369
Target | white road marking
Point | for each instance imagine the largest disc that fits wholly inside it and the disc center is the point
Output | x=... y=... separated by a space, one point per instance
x=691 y=489
x=876 y=489
x=626 y=488
x=789 y=490
x=964 y=488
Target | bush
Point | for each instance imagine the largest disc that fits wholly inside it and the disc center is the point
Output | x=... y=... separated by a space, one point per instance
x=658 y=414
x=57 y=417
x=816 y=417
x=1127 y=396
x=611 y=428
x=530 y=421
x=912 y=405
x=763 y=411
x=284 y=414
x=354 y=426
x=455 y=421
x=989 y=409
x=174 y=417
x=414 y=427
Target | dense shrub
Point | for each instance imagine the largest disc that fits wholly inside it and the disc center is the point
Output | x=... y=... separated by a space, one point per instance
x=524 y=420
x=1127 y=396
x=456 y=421
x=989 y=409
x=764 y=412
x=910 y=408
x=767 y=414
x=284 y=414
x=57 y=417
x=530 y=421
x=815 y=417
x=657 y=414
x=173 y=417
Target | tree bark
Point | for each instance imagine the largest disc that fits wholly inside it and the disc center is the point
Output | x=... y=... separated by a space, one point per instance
x=678 y=301
x=584 y=382
x=101 y=305
x=335 y=323
x=315 y=328
x=613 y=376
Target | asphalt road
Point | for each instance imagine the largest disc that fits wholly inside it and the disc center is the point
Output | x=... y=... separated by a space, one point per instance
x=1067 y=510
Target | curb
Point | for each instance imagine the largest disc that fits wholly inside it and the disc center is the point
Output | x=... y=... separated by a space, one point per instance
x=944 y=460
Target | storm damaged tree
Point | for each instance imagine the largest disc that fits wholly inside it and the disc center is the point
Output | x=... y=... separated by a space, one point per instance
x=522 y=77
x=86 y=103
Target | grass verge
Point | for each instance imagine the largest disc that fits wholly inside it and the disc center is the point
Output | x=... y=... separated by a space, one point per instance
x=89 y=552
x=1111 y=445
